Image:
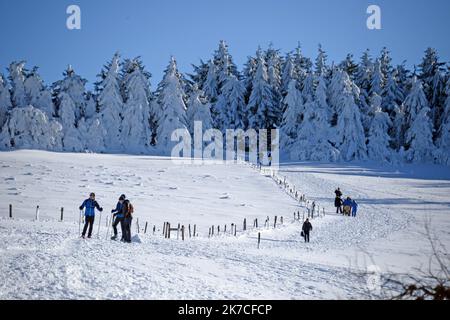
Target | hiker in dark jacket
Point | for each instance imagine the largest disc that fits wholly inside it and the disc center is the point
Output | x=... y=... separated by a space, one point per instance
x=338 y=192
x=338 y=204
x=118 y=217
x=306 y=228
x=90 y=205
x=127 y=210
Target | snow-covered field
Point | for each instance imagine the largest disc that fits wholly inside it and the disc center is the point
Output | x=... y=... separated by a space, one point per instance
x=46 y=259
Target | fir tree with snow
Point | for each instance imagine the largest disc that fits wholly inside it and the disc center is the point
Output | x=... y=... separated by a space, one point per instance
x=262 y=109
x=224 y=64
x=349 y=66
x=198 y=110
x=110 y=103
x=231 y=106
x=379 y=141
x=30 y=128
x=199 y=75
x=171 y=100
x=136 y=133
x=37 y=94
x=211 y=85
x=443 y=141
x=350 y=135
x=74 y=86
x=414 y=102
x=321 y=62
x=72 y=140
x=292 y=116
x=419 y=137
x=376 y=84
x=288 y=73
x=17 y=75
x=5 y=100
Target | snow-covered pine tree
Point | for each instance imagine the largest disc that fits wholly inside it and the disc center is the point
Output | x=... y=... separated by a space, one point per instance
x=314 y=134
x=74 y=86
x=309 y=87
x=17 y=75
x=292 y=117
x=198 y=110
x=443 y=141
x=37 y=94
x=419 y=138
x=418 y=125
x=72 y=140
x=211 y=85
x=363 y=78
x=321 y=62
x=171 y=100
x=136 y=133
x=224 y=64
x=30 y=128
x=231 y=104
x=350 y=135
x=262 y=109
x=274 y=68
x=377 y=80
x=198 y=77
x=5 y=100
x=378 y=146
x=110 y=103
x=349 y=66
x=288 y=74
x=385 y=64
x=393 y=97
x=430 y=72
x=303 y=66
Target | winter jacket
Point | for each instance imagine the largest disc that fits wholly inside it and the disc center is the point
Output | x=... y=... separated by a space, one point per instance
x=348 y=202
x=337 y=202
x=90 y=206
x=118 y=210
x=354 y=206
x=338 y=193
x=307 y=226
x=125 y=210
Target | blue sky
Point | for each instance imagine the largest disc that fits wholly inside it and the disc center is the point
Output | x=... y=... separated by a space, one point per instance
x=36 y=31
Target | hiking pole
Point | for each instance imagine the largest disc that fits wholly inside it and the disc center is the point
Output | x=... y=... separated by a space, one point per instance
x=109 y=226
x=99 y=222
x=79 y=222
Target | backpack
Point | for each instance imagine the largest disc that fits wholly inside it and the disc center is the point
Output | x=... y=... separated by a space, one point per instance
x=129 y=209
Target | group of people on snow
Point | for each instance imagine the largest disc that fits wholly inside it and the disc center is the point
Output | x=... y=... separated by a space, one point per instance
x=123 y=214
x=346 y=207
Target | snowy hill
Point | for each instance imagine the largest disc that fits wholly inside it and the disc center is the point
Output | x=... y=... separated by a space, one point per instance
x=46 y=259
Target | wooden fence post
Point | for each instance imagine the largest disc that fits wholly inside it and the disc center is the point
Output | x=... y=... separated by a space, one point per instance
x=37 y=213
x=164 y=229
x=145 y=229
x=294 y=216
x=189 y=230
x=209 y=232
x=10 y=211
x=212 y=231
x=137 y=225
x=245 y=224
x=225 y=229
x=62 y=214
x=218 y=230
x=235 y=230
x=195 y=226
x=259 y=238
x=178 y=232
x=281 y=219
x=275 y=222
x=182 y=232
x=154 y=229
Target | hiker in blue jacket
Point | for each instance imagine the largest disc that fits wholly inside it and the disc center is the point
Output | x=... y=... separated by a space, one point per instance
x=90 y=205
x=354 y=208
x=347 y=206
x=119 y=216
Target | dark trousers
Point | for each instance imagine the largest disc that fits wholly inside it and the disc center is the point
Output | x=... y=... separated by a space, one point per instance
x=306 y=236
x=127 y=229
x=339 y=209
x=88 y=221
x=115 y=223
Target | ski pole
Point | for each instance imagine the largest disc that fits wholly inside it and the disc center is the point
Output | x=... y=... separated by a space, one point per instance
x=99 y=222
x=79 y=222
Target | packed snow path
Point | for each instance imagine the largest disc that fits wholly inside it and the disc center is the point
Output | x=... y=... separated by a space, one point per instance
x=47 y=260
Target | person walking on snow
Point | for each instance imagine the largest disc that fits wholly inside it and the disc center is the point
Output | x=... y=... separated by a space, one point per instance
x=354 y=208
x=90 y=205
x=338 y=200
x=347 y=206
x=306 y=228
x=128 y=217
x=118 y=216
